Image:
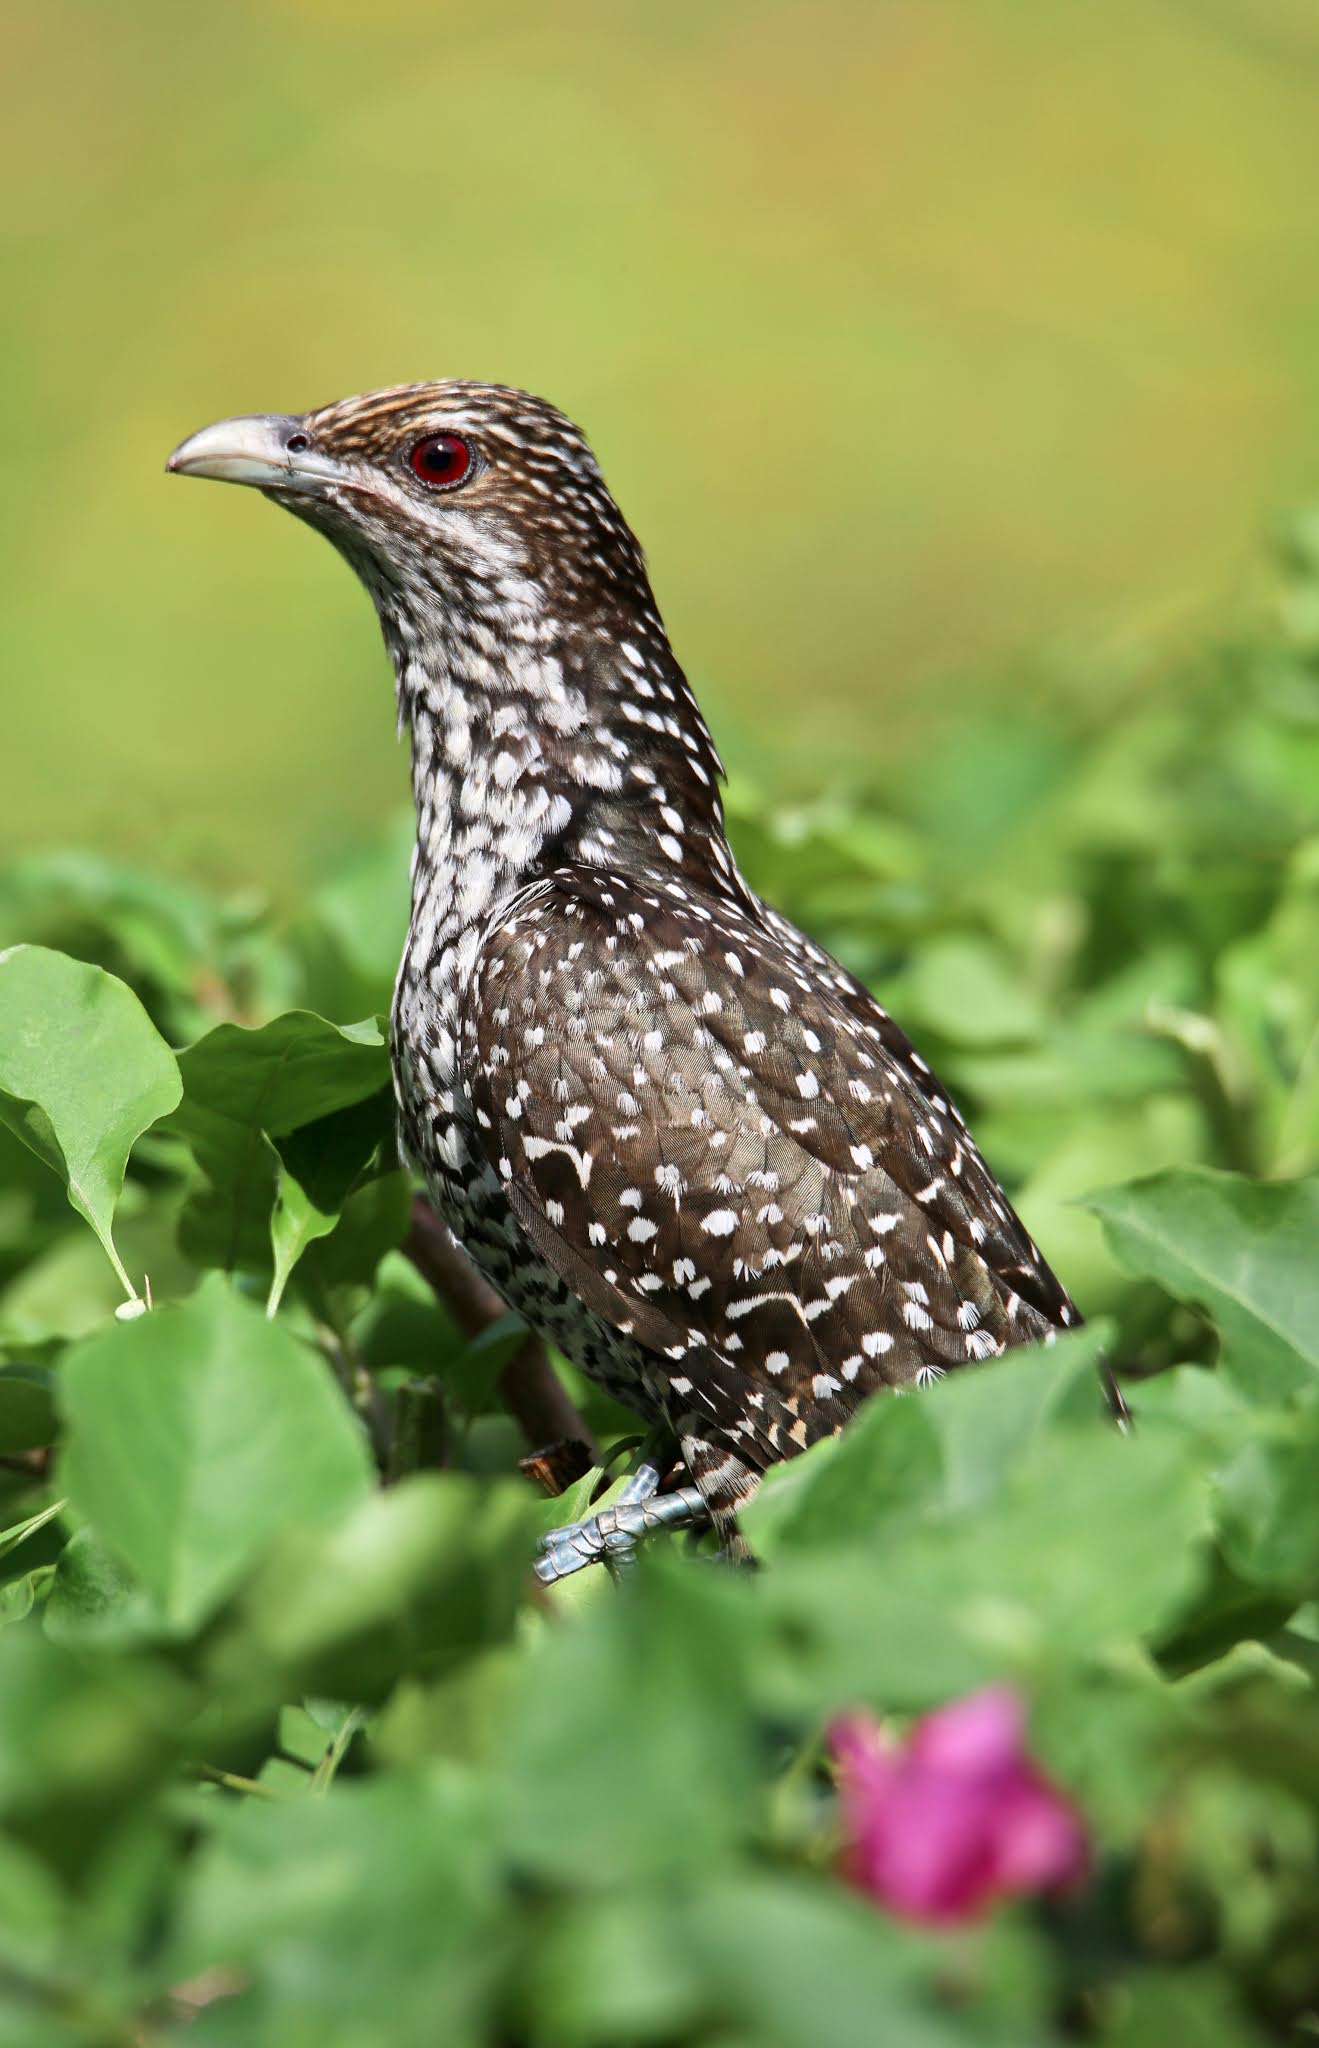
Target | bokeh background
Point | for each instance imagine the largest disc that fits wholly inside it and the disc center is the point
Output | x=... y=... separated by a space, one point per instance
x=911 y=336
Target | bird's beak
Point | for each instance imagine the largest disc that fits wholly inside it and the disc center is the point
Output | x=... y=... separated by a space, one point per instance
x=274 y=451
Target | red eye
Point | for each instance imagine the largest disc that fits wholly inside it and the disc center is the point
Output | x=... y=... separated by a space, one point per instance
x=441 y=460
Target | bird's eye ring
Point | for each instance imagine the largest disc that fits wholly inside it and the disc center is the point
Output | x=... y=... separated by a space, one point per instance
x=441 y=461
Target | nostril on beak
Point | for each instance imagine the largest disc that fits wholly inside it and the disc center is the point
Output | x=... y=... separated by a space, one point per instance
x=297 y=444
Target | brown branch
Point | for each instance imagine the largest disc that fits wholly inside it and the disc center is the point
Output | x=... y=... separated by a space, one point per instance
x=32 y=1464
x=529 y=1386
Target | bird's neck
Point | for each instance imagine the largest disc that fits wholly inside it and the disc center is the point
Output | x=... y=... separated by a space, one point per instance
x=536 y=746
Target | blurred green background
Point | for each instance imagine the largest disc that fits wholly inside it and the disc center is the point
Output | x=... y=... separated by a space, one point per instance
x=909 y=335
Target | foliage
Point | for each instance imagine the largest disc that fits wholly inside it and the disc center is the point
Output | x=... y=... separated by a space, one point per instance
x=288 y=1755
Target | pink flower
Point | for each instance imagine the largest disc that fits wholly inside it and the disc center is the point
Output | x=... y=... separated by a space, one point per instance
x=958 y=1816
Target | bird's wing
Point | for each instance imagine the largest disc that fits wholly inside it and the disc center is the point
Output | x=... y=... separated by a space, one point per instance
x=1005 y=1244
x=724 y=1156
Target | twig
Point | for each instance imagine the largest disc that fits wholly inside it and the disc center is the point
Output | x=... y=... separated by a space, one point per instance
x=420 y=1430
x=529 y=1386
x=252 y=1788
x=31 y=1464
x=323 y=1775
x=358 y=1386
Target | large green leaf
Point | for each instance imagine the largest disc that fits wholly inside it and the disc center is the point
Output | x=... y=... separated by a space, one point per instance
x=247 y=1090
x=885 y=1467
x=1245 y=1253
x=378 y=1901
x=413 y=1580
x=195 y=1435
x=281 y=1075
x=83 y=1072
x=1090 y=1542
x=924 y=1455
x=631 y=1747
x=802 y=1962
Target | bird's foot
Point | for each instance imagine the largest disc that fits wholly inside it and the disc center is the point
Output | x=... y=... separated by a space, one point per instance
x=611 y=1536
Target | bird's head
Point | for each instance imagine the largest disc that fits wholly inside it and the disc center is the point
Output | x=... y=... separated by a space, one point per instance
x=481 y=500
x=512 y=593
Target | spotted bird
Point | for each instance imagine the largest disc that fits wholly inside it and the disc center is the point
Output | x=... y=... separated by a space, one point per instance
x=677 y=1136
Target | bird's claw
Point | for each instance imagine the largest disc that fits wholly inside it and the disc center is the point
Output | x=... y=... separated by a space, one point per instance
x=612 y=1534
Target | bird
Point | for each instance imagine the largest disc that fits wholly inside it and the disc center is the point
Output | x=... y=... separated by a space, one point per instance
x=682 y=1141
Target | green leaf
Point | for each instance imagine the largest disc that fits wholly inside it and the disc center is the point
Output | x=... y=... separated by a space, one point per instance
x=988 y=1422
x=1197 y=2004
x=799 y=1962
x=378 y=1900
x=92 y=1599
x=1241 y=1252
x=1091 y=1542
x=295 y=1222
x=27 y=1411
x=352 y=933
x=317 y=1169
x=244 y=1088
x=971 y=993
x=886 y=1465
x=414 y=1579
x=284 y=1074
x=83 y=1072
x=81 y=1741
x=374 y=1221
x=20 y=1531
x=19 y=1596
x=1268 y=1496
x=31 y=1911
x=620 y=1969
x=917 y=1455
x=471 y=1373
x=631 y=1748
x=195 y=1435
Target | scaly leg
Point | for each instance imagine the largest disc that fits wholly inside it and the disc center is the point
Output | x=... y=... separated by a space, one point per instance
x=612 y=1534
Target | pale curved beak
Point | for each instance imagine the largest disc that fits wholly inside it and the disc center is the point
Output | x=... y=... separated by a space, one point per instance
x=271 y=450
